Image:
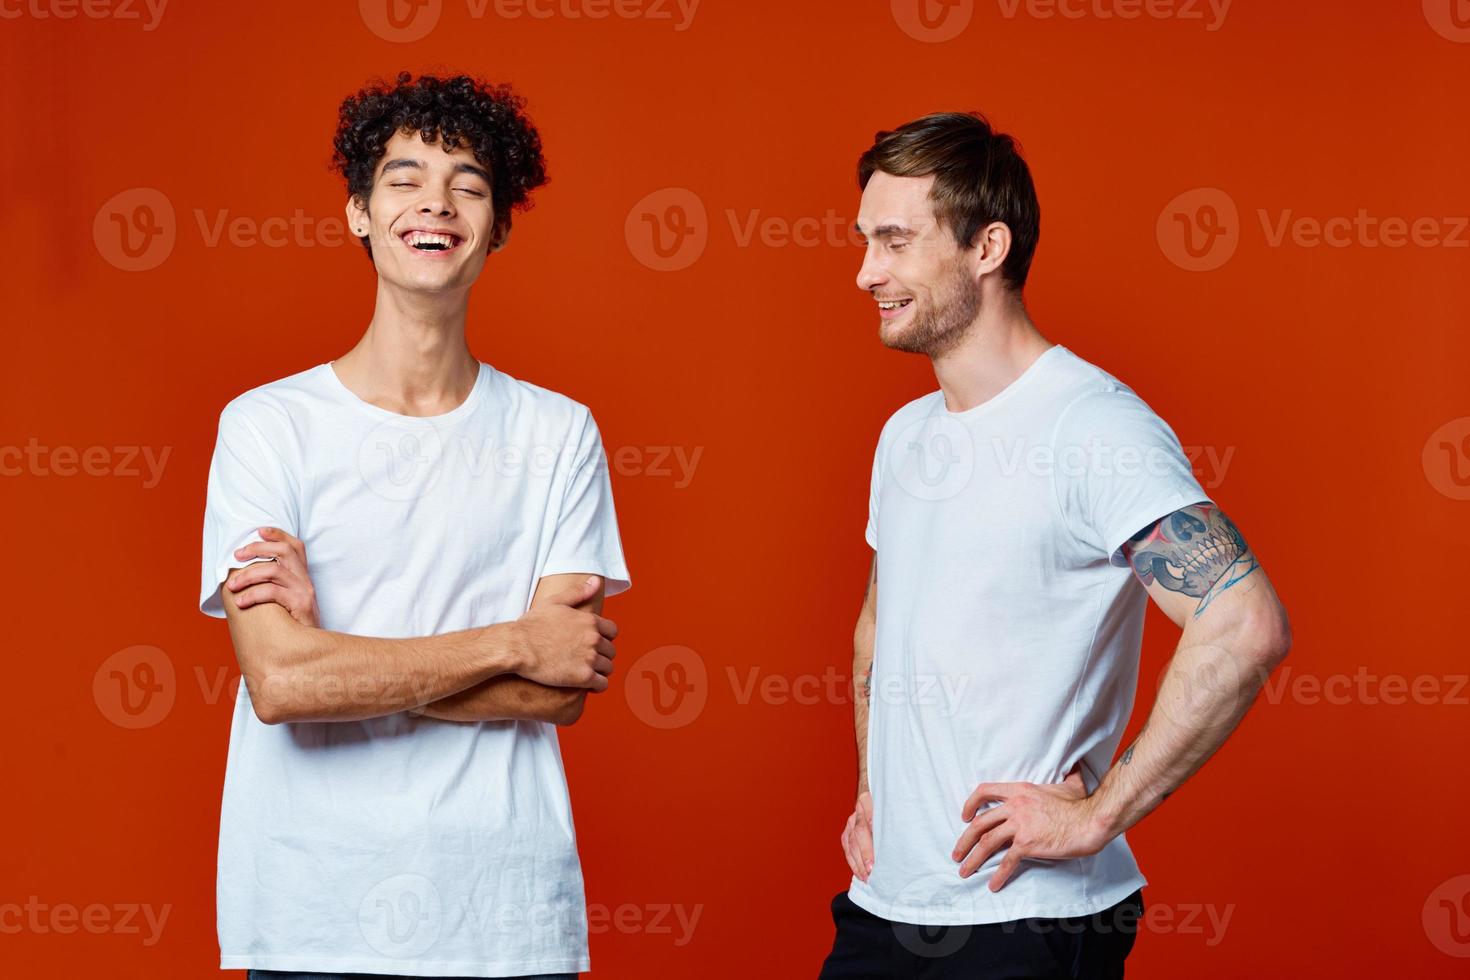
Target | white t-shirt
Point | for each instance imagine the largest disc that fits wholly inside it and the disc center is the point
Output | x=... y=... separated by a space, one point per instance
x=1009 y=626
x=402 y=844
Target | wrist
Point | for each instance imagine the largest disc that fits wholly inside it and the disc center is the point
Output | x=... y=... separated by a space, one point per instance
x=508 y=649
x=1102 y=822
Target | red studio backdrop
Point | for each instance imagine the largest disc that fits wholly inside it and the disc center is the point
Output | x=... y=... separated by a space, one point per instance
x=1254 y=213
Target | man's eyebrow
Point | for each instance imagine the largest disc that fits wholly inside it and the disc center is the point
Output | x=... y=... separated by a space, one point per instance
x=403 y=163
x=884 y=231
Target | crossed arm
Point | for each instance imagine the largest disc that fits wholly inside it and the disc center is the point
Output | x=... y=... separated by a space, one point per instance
x=537 y=668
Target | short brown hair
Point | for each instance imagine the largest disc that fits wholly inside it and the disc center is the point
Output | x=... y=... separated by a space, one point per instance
x=979 y=177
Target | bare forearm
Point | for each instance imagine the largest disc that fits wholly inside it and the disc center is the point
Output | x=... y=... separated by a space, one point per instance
x=323 y=675
x=1209 y=685
x=509 y=698
x=512 y=698
x=862 y=682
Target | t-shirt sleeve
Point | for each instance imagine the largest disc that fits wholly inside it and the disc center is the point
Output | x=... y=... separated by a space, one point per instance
x=872 y=531
x=1118 y=468
x=249 y=488
x=586 y=537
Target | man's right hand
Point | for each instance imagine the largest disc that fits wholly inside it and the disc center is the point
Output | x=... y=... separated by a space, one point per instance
x=857 y=837
x=564 y=646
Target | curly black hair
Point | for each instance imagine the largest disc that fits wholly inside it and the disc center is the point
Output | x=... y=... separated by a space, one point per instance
x=460 y=111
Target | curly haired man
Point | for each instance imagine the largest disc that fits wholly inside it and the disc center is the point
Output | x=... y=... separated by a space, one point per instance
x=394 y=799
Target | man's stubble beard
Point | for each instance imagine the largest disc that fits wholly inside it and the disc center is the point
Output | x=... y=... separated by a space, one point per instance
x=942 y=328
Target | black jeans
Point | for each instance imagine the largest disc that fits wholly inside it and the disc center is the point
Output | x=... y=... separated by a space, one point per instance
x=1085 y=947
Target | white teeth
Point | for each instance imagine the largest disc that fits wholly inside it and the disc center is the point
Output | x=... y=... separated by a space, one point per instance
x=892 y=304
x=414 y=238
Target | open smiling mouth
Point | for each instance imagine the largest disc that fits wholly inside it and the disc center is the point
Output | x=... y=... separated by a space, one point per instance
x=431 y=242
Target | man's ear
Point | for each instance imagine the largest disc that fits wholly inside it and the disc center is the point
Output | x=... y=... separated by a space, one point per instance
x=992 y=244
x=357 y=218
x=499 y=235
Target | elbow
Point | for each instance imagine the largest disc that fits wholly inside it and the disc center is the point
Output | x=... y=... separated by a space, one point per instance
x=1269 y=632
x=267 y=698
x=272 y=682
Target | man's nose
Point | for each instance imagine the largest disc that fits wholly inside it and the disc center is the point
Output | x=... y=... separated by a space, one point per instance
x=870 y=274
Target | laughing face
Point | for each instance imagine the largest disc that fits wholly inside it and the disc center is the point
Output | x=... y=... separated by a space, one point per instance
x=923 y=283
x=430 y=216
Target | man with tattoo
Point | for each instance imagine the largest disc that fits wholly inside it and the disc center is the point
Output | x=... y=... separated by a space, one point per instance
x=999 y=638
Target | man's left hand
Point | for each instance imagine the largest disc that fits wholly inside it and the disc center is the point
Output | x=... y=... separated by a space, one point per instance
x=1037 y=820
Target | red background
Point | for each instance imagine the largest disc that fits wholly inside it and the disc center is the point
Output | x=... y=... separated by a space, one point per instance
x=1322 y=827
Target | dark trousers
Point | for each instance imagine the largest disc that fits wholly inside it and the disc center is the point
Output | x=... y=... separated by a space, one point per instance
x=1087 y=947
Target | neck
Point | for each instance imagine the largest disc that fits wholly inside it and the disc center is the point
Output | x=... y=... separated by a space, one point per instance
x=413 y=359
x=1000 y=345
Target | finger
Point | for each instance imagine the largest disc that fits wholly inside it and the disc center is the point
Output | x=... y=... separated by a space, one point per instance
x=607 y=627
x=277 y=534
x=1008 y=865
x=603 y=666
x=849 y=849
x=264 y=549
x=257 y=594
x=986 y=792
x=606 y=648
x=863 y=838
x=264 y=571
x=598 y=685
x=983 y=822
x=581 y=592
x=989 y=842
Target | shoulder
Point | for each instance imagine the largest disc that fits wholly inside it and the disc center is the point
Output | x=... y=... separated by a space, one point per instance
x=1095 y=403
x=541 y=409
x=269 y=407
x=911 y=413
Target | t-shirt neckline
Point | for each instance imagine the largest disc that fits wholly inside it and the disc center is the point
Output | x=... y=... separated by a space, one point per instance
x=346 y=394
x=1008 y=391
